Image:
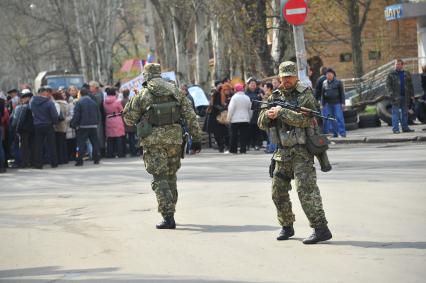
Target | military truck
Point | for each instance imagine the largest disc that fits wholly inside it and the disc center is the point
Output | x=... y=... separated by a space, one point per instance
x=59 y=78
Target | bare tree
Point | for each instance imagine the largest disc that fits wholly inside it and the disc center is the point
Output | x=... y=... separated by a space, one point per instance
x=178 y=11
x=282 y=37
x=164 y=20
x=202 y=44
x=356 y=24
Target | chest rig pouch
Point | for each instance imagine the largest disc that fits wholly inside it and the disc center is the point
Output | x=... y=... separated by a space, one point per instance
x=164 y=111
x=162 y=114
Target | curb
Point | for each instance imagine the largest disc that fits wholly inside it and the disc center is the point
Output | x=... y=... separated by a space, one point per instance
x=378 y=140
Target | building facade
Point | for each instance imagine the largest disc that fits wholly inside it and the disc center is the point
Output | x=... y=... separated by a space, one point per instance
x=328 y=37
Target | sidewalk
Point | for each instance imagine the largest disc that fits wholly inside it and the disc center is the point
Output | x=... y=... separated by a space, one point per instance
x=382 y=134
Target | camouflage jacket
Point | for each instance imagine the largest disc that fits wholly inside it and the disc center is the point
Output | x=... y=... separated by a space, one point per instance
x=393 y=87
x=167 y=134
x=290 y=128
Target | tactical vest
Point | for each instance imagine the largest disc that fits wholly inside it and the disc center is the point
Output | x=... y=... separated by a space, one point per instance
x=285 y=135
x=165 y=110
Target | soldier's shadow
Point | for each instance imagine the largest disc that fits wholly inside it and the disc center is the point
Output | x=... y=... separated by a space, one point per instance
x=225 y=228
x=379 y=245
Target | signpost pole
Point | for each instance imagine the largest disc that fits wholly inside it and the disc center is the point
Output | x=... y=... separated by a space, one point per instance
x=295 y=12
x=299 y=42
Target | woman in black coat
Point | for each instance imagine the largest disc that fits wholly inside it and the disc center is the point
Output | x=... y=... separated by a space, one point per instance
x=218 y=105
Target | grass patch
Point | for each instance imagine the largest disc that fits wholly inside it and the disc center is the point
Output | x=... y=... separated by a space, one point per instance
x=369 y=110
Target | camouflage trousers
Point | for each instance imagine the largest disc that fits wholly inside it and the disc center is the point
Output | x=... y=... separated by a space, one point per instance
x=297 y=163
x=163 y=163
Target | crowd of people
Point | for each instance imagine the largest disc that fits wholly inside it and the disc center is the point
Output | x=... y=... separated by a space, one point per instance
x=58 y=126
x=76 y=124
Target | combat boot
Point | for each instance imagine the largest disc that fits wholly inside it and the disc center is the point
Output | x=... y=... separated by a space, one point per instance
x=285 y=233
x=167 y=223
x=319 y=235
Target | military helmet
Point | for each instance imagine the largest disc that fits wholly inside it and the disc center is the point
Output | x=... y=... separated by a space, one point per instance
x=151 y=70
x=287 y=69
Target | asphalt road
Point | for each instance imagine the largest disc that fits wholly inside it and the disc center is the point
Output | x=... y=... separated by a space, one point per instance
x=96 y=224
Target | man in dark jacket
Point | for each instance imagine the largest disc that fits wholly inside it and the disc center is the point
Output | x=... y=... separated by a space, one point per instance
x=86 y=120
x=333 y=102
x=97 y=94
x=399 y=86
x=24 y=126
x=44 y=116
x=255 y=134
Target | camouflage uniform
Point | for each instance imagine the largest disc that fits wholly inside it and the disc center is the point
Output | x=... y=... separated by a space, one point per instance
x=162 y=148
x=293 y=161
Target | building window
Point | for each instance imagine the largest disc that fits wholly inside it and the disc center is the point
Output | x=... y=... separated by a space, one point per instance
x=345 y=57
x=374 y=55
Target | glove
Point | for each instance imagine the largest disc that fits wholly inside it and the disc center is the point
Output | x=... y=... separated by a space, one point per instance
x=196 y=146
x=272 y=168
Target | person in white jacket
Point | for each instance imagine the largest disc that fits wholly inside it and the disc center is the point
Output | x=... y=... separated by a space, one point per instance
x=239 y=115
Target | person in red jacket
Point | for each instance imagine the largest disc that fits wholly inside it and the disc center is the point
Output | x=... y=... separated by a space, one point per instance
x=4 y=122
x=114 y=126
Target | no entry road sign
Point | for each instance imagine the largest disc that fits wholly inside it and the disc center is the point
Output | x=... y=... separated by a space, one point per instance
x=295 y=12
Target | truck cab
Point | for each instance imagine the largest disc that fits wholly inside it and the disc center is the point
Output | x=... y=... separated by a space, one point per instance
x=56 y=79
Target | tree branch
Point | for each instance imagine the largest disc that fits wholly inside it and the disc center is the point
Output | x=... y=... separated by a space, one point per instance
x=364 y=16
x=329 y=32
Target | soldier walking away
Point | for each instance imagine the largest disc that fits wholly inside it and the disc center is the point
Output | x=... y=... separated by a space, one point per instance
x=399 y=85
x=158 y=113
x=292 y=159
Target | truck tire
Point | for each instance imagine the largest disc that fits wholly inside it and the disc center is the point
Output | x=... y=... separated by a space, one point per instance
x=351 y=119
x=351 y=126
x=369 y=121
x=384 y=111
x=349 y=113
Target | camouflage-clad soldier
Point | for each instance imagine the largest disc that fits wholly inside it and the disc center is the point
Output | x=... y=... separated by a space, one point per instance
x=158 y=111
x=292 y=159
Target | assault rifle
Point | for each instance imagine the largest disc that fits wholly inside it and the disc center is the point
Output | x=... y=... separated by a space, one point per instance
x=115 y=114
x=295 y=108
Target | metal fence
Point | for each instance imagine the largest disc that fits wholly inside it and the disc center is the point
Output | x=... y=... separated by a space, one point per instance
x=373 y=83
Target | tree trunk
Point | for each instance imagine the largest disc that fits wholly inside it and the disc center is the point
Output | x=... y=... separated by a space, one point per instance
x=282 y=38
x=179 y=33
x=202 y=47
x=81 y=47
x=221 y=56
x=277 y=43
x=59 y=7
x=354 y=24
x=149 y=26
x=107 y=71
x=256 y=12
x=168 y=51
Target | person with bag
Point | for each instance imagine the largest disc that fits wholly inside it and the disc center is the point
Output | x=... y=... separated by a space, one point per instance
x=159 y=112
x=217 y=123
x=292 y=159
